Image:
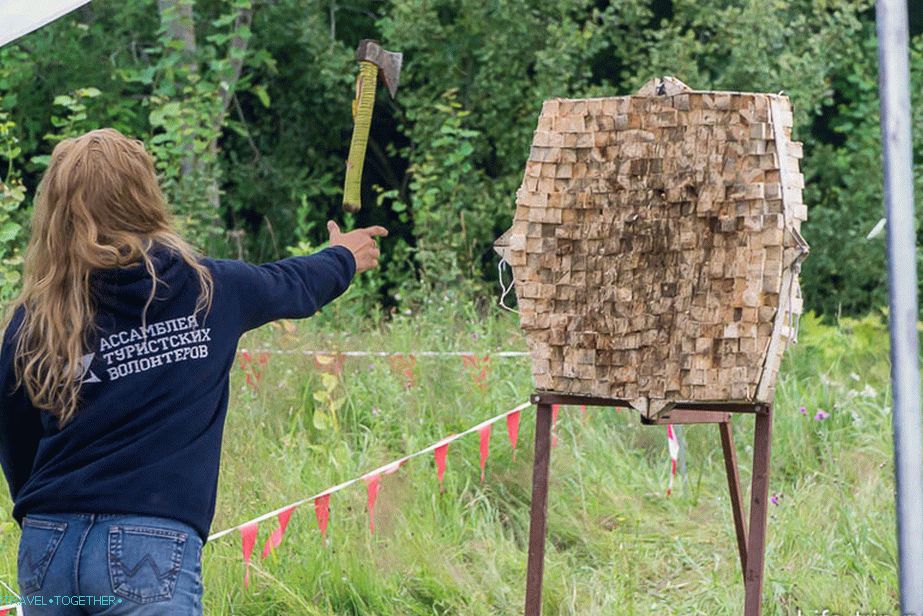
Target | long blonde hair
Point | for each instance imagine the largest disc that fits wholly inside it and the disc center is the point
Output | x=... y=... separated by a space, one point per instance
x=98 y=206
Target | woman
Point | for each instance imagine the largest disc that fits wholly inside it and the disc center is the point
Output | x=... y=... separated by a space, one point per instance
x=114 y=370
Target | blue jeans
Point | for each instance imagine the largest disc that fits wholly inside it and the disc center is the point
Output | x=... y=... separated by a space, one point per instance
x=74 y=564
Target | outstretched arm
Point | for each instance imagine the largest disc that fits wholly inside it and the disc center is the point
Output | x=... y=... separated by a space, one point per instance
x=297 y=287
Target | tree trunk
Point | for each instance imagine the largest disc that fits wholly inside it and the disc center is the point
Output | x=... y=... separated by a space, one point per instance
x=236 y=51
x=177 y=18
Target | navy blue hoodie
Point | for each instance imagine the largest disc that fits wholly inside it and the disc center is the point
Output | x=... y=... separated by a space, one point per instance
x=146 y=438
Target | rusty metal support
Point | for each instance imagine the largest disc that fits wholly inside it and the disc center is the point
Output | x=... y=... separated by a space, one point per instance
x=545 y=397
x=737 y=505
x=536 y=567
x=679 y=416
x=759 y=507
x=751 y=538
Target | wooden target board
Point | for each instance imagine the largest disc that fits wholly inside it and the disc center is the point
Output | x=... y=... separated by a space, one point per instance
x=656 y=245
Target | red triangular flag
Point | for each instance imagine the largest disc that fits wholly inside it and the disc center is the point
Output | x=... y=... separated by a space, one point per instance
x=275 y=537
x=484 y=433
x=322 y=512
x=512 y=429
x=248 y=540
x=440 y=454
x=554 y=424
x=372 y=483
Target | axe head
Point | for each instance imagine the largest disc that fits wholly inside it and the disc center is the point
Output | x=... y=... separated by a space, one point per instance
x=388 y=62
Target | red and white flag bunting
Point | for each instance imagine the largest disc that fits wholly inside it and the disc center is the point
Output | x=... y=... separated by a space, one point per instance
x=248 y=530
x=372 y=479
x=673 y=445
x=512 y=430
x=275 y=537
x=484 y=434
x=248 y=540
x=437 y=354
x=373 y=484
x=10 y=608
x=440 y=454
x=322 y=513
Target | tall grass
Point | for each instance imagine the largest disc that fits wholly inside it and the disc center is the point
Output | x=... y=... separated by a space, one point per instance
x=617 y=544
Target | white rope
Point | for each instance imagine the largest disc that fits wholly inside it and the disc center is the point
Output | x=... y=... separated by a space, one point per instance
x=387 y=353
x=794 y=319
x=7 y=586
x=13 y=593
x=505 y=289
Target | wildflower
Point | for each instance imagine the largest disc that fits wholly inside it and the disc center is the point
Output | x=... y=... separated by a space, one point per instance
x=803 y=411
x=775 y=499
x=821 y=415
x=376 y=411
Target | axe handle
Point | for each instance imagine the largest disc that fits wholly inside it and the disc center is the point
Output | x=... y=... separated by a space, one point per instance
x=363 y=106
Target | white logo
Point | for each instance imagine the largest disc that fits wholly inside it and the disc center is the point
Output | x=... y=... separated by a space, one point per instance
x=92 y=378
x=140 y=349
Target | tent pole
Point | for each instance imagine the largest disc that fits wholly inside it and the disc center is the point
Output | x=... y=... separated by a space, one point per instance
x=894 y=81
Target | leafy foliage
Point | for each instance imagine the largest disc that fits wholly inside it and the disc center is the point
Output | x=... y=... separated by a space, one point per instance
x=246 y=107
x=12 y=194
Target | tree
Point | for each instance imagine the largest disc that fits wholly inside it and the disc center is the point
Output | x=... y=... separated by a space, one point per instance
x=185 y=108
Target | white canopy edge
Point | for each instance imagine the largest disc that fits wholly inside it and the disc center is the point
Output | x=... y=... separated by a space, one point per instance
x=20 y=17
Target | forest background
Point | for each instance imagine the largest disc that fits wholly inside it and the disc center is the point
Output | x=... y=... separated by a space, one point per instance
x=246 y=107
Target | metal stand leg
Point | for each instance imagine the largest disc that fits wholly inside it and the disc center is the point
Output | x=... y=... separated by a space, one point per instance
x=759 y=503
x=737 y=506
x=539 y=512
x=751 y=538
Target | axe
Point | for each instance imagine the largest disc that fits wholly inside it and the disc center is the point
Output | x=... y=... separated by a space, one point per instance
x=373 y=60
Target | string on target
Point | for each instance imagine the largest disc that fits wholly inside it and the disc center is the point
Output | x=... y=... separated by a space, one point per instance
x=505 y=290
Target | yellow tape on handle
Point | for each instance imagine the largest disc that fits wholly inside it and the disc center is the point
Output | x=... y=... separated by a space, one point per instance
x=366 y=83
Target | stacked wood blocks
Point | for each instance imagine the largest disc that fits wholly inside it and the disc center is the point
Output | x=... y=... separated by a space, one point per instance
x=656 y=245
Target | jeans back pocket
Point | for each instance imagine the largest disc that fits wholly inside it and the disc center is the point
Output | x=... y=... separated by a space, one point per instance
x=40 y=539
x=145 y=561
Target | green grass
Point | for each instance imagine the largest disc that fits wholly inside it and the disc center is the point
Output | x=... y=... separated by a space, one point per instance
x=617 y=544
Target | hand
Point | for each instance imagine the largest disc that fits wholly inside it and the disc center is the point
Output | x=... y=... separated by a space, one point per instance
x=361 y=242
